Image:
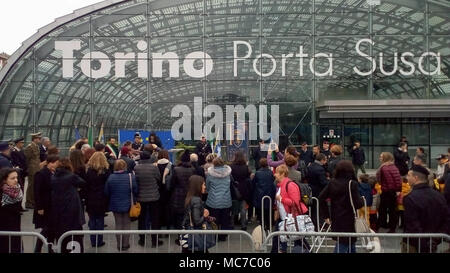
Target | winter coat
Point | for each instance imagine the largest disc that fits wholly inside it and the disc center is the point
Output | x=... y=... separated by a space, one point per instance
x=198 y=169
x=42 y=197
x=358 y=156
x=307 y=156
x=316 y=178
x=42 y=153
x=163 y=193
x=195 y=212
x=257 y=155
x=263 y=185
x=147 y=178
x=342 y=215
x=401 y=159
x=332 y=164
x=10 y=221
x=179 y=186
x=33 y=159
x=366 y=192
x=5 y=162
x=118 y=189
x=241 y=174
x=66 y=209
x=18 y=159
x=202 y=150
x=426 y=211
x=389 y=178
x=327 y=153
x=96 y=200
x=130 y=163
x=294 y=175
x=290 y=197
x=218 y=187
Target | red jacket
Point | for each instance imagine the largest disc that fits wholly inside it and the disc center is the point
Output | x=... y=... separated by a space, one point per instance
x=389 y=178
x=291 y=197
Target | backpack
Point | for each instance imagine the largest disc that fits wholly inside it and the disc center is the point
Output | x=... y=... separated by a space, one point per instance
x=305 y=193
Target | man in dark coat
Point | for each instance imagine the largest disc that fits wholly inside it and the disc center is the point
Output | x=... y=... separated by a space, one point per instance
x=5 y=156
x=306 y=155
x=358 y=157
x=18 y=159
x=258 y=153
x=316 y=175
x=137 y=144
x=42 y=199
x=426 y=211
x=43 y=147
x=198 y=170
x=402 y=158
x=202 y=150
x=326 y=149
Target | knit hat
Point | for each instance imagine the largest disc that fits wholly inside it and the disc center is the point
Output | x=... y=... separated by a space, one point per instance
x=186 y=157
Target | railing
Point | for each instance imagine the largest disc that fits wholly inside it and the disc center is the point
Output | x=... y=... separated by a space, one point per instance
x=14 y=242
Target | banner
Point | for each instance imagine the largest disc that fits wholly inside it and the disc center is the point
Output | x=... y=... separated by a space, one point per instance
x=165 y=136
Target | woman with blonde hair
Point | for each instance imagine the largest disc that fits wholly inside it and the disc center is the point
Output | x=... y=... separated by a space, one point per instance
x=391 y=185
x=96 y=201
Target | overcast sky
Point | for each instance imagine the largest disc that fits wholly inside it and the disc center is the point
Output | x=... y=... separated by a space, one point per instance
x=20 y=19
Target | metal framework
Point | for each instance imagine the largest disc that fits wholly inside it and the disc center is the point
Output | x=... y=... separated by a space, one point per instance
x=35 y=96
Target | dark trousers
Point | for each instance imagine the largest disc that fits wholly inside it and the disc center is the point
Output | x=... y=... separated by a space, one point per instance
x=96 y=222
x=388 y=204
x=149 y=214
x=47 y=234
x=266 y=217
x=177 y=219
x=223 y=219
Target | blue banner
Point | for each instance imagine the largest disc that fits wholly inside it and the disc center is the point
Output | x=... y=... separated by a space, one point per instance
x=165 y=136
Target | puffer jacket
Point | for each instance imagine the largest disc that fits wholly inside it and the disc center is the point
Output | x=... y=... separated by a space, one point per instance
x=218 y=187
x=118 y=190
x=147 y=179
x=179 y=185
x=194 y=213
x=389 y=178
x=263 y=184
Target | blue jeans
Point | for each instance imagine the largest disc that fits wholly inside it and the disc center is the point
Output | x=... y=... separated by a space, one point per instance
x=344 y=248
x=96 y=223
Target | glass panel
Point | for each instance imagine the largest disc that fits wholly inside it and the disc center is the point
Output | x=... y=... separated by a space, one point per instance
x=175 y=91
x=234 y=26
x=282 y=24
x=16 y=92
x=417 y=133
x=286 y=6
x=440 y=133
x=398 y=21
x=120 y=91
x=133 y=25
x=232 y=7
x=62 y=114
x=341 y=90
x=342 y=23
x=386 y=134
x=233 y=91
x=287 y=91
x=175 y=25
x=63 y=92
x=398 y=88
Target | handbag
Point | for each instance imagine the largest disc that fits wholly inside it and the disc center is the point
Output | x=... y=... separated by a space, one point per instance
x=200 y=242
x=135 y=209
x=360 y=223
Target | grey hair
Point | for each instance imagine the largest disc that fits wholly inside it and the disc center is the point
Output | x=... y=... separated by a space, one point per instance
x=85 y=147
x=194 y=157
x=44 y=139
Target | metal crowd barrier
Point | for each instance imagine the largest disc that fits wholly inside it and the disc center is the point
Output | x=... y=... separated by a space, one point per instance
x=14 y=242
x=270 y=214
x=379 y=242
x=167 y=236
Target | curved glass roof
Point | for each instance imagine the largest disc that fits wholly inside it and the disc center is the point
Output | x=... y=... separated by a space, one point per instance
x=35 y=96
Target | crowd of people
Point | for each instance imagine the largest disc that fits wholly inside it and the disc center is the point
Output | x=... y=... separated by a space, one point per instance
x=201 y=187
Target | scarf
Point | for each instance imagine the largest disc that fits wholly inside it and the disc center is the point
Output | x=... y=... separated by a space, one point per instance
x=11 y=194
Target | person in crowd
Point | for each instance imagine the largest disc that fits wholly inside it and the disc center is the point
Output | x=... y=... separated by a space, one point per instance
x=358 y=157
x=306 y=155
x=420 y=151
x=406 y=189
x=5 y=156
x=195 y=214
x=218 y=186
x=425 y=212
x=376 y=191
x=85 y=147
x=45 y=143
x=290 y=150
x=19 y=161
x=43 y=201
x=198 y=169
x=391 y=183
x=259 y=152
x=112 y=147
x=78 y=162
x=66 y=209
x=336 y=152
x=294 y=175
x=11 y=200
x=126 y=153
x=202 y=150
x=241 y=175
x=137 y=144
x=315 y=151
x=421 y=160
x=442 y=162
x=445 y=175
x=342 y=214
x=402 y=158
x=154 y=139
x=148 y=178
x=79 y=144
x=107 y=152
x=404 y=140
x=179 y=186
x=209 y=162
x=326 y=149
x=165 y=170
x=288 y=202
x=87 y=154
x=118 y=188
x=263 y=186
x=33 y=162
x=98 y=171
x=365 y=191
x=317 y=180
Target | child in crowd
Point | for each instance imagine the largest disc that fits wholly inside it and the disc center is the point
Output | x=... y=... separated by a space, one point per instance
x=366 y=192
x=405 y=190
x=376 y=192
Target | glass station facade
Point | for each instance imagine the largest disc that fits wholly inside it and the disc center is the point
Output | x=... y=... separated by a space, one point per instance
x=36 y=96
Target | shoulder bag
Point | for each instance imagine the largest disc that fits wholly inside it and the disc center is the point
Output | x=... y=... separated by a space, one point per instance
x=135 y=209
x=360 y=223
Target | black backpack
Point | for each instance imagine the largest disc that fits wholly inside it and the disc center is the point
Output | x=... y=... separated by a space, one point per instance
x=305 y=192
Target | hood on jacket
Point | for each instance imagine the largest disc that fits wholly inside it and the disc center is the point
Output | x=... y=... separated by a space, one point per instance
x=163 y=161
x=219 y=172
